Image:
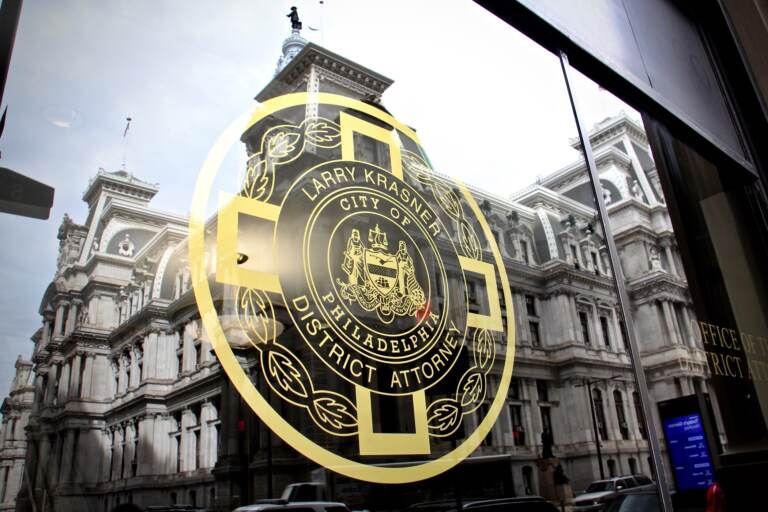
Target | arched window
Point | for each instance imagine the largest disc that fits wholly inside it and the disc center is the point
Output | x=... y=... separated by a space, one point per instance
x=597 y=400
x=621 y=416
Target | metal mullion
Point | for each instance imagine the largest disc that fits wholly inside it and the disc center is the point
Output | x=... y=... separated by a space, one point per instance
x=624 y=304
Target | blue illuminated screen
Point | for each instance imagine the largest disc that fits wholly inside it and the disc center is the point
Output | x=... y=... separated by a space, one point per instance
x=689 y=452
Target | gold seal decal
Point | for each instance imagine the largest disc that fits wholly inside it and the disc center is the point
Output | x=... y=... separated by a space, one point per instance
x=371 y=321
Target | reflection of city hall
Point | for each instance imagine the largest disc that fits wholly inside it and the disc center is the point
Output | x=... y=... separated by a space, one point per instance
x=130 y=404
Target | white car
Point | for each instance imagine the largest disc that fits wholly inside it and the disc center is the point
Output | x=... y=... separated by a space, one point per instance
x=296 y=506
x=602 y=491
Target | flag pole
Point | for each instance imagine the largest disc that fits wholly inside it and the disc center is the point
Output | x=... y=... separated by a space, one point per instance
x=125 y=140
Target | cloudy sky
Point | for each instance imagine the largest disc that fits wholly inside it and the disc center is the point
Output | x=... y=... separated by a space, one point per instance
x=489 y=104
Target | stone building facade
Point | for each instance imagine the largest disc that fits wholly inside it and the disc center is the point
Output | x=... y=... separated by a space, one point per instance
x=13 y=439
x=130 y=404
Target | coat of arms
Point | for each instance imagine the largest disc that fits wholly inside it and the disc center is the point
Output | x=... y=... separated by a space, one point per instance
x=378 y=280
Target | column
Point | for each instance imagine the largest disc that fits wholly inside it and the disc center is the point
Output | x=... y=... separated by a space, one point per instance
x=536 y=428
x=46 y=337
x=3 y=471
x=122 y=374
x=188 y=348
x=165 y=362
x=207 y=435
x=597 y=329
x=670 y=323
x=671 y=260
x=205 y=346
x=106 y=445
x=565 y=321
x=187 y=441
x=149 y=368
x=63 y=384
x=15 y=474
x=53 y=377
x=618 y=344
x=66 y=456
x=690 y=327
x=89 y=452
x=114 y=376
x=39 y=394
x=87 y=384
x=161 y=445
x=59 y=319
x=74 y=310
x=128 y=449
x=117 y=453
x=74 y=380
x=134 y=373
x=575 y=319
x=43 y=456
x=145 y=455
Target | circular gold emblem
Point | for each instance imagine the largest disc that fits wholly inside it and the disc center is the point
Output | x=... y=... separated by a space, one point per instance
x=355 y=284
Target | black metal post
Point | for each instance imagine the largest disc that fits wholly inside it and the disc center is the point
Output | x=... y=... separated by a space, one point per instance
x=621 y=290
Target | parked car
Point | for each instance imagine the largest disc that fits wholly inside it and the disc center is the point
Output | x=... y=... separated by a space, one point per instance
x=519 y=504
x=281 y=505
x=640 y=499
x=602 y=491
x=174 y=508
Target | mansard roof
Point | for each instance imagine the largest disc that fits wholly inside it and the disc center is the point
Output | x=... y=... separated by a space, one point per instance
x=120 y=183
x=294 y=73
x=611 y=128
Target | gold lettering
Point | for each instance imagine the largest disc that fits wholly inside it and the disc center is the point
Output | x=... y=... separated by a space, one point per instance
x=356 y=373
x=303 y=301
x=336 y=350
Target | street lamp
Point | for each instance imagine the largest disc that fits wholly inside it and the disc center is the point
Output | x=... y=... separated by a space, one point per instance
x=587 y=383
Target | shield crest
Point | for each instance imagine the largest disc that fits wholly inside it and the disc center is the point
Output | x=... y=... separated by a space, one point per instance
x=381 y=270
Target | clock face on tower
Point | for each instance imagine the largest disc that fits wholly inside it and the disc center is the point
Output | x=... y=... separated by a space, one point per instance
x=356 y=298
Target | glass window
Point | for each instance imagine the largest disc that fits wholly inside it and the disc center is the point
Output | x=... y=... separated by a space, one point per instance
x=514 y=389
x=375 y=295
x=584 y=323
x=533 y=327
x=604 y=331
x=530 y=305
x=618 y=401
x=602 y=428
x=712 y=213
x=518 y=431
x=542 y=389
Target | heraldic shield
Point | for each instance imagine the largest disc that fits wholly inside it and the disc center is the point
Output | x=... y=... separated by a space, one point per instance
x=332 y=280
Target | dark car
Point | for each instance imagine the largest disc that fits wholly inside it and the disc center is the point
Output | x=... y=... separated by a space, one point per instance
x=521 y=504
x=175 y=508
x=644 y=499
x=281 y=505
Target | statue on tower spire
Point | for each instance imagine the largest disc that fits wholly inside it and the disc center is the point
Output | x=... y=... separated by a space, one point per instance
x=294 y=15
x=294 y=43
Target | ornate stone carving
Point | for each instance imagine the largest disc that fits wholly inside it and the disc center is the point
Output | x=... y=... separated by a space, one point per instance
x=126 y=246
